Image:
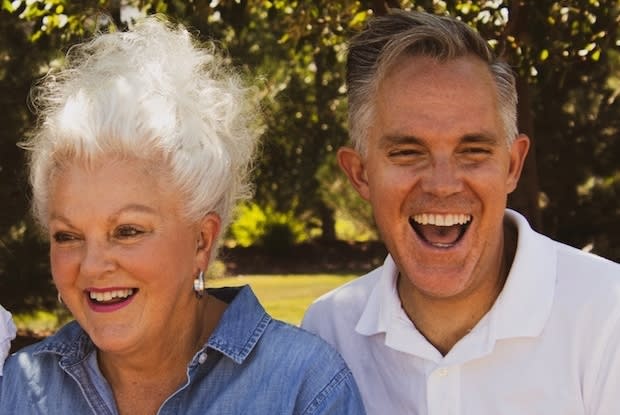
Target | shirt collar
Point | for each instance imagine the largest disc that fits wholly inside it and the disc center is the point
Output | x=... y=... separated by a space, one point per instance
x=383 y=314
x=241 y=326
x=239 y=330
x=71 y=343
x=382 y=302
x=530 y=284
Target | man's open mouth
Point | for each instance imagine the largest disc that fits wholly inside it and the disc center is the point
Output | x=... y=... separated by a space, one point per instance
x=440 y=230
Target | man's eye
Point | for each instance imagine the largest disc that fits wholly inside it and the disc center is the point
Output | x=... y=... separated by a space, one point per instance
x=409 y=152
x=127 y=231
x=477 y=150
x=61 y=237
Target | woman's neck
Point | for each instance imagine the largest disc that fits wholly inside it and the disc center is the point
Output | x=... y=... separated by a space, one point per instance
x=142 y=380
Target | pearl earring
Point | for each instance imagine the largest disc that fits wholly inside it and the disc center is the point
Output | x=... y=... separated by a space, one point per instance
x=199 y=284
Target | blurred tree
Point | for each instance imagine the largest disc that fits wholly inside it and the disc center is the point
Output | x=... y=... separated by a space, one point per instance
x=23 y=272
x=565 y=54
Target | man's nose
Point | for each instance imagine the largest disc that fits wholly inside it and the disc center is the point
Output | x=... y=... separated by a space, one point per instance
x=442 y=178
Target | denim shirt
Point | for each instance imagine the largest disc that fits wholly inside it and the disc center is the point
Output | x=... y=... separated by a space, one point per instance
x=251 y=364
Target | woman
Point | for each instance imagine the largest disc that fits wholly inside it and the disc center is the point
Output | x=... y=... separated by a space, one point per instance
x=142 y=149
x=7 y=333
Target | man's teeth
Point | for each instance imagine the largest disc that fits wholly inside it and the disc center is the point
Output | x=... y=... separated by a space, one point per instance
x=109 y=295
x=441 y=220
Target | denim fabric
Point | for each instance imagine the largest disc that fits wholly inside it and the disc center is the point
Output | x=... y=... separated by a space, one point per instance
x=251 y=364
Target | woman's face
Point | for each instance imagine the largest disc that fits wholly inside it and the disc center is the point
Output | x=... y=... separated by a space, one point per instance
x=123 y=257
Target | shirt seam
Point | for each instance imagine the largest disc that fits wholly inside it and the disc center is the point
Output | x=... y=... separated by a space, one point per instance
x=340 y=378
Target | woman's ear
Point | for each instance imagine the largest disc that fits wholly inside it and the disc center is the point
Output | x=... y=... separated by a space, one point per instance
x=352 y=165
x=209 y=230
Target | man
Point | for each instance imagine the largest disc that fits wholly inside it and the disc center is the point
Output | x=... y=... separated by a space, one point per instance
x=472 y=311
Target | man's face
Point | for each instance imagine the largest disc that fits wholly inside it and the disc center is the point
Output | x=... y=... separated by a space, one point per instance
x=437 y=173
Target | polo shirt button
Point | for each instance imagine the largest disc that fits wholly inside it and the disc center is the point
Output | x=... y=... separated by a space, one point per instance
x=443 y=372
x=202 y=358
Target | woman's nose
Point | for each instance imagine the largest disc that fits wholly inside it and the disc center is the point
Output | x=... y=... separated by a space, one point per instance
x=97 y=259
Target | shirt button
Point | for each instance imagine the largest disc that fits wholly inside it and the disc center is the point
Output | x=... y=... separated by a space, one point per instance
x=443 y=372
x=202 y=358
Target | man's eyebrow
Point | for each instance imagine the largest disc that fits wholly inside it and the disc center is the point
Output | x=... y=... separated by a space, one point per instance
x=474 y=138
x=396 y=139
x=481 y=138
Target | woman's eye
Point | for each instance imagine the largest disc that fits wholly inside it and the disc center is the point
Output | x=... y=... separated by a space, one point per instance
x=127 y=231
x=60 y=237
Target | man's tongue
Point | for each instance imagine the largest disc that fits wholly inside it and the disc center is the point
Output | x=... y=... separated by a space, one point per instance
x=440 y=235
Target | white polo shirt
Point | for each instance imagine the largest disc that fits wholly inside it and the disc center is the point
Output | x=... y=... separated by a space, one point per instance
x=7 y=333
x=549 y=345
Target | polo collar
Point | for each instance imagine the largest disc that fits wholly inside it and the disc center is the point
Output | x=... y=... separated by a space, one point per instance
x=524 y=305
x=530 y=287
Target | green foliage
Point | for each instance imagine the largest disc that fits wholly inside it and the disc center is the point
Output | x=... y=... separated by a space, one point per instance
x=41 y=322
x=217 y=269
x=349 y=228
x=249 y=225
x=353 y=215
x=567 y=54
x=267 y=227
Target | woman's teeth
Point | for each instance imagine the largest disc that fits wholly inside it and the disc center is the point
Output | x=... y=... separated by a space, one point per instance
x=110 y=295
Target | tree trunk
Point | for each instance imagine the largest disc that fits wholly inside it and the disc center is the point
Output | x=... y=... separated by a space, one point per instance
x=525 y=198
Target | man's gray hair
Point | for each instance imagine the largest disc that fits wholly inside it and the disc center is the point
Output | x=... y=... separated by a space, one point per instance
x=386 y=39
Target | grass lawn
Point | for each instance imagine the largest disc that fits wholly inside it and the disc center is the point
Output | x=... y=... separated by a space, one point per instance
x=286 y=297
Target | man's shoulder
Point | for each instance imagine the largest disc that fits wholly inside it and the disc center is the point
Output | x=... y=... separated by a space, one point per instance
x=577 y=261
x=587 y=275
x=339 y=310
x=571 y=265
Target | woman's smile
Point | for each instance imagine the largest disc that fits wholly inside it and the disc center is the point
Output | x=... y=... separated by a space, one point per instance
x=110 y=299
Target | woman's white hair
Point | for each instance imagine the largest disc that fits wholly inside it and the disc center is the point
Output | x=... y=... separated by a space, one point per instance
x=154 y=94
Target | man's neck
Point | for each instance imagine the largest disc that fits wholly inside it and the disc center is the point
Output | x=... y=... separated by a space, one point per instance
x=445 y=321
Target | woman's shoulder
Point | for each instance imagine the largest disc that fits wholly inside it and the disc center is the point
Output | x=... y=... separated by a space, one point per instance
x=312 y=368
x=295 y=352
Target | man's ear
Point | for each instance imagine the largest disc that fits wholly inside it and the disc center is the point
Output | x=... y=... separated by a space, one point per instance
x=518 y=153
x=352 y=165
x=209 y=230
